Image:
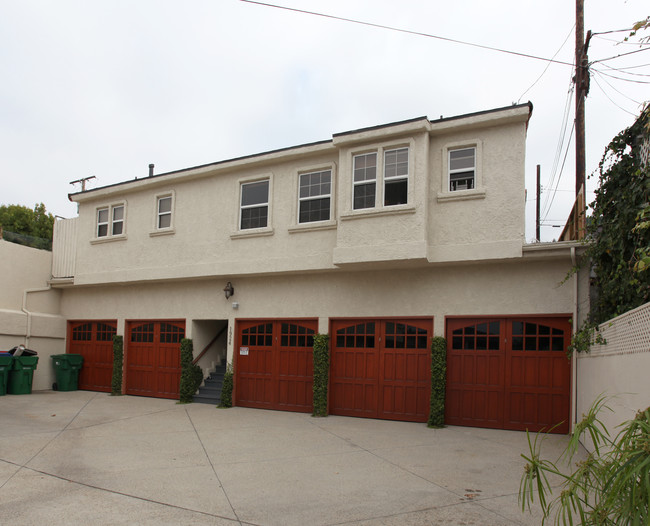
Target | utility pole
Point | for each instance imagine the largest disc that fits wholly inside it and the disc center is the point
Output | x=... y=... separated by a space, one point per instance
x=581 y=80
x=83 y=182
x=539 y=196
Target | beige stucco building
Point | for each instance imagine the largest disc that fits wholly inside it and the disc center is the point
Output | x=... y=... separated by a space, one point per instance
x=382 y=237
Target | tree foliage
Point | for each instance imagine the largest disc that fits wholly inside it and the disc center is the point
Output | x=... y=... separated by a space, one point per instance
x=321 y=373
x=228 y=384
x=191 y=374
x=619 y=228
x=118 y=358
x=639 y=26
x=28 y=225
x=438 y=381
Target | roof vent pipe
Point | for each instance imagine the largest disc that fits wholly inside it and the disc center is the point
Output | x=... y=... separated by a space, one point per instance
x=151 y=170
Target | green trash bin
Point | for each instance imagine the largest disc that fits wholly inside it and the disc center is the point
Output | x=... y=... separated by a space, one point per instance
x=66 y=368
x=5 y=364
x=21 y=374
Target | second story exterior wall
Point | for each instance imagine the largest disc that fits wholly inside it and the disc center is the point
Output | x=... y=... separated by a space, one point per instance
x=409 y=193
x=486 y=222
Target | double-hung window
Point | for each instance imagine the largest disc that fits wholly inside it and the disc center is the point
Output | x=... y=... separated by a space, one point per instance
x=377 y=184
x=110 y=221
x=254 y=211
x=462 y=169
x=396 y=174
x=164 y=218
x=315 y=195
x=365 y=180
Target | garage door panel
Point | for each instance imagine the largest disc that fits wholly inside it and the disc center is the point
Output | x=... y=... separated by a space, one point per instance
x=274 y=364
x=388 y=363
x=153 y=359
x=524 y=373
x=93 y=340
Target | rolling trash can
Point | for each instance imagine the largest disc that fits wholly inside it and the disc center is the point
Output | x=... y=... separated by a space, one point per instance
x=66 y=369
x=21 y=374
x=5 y=364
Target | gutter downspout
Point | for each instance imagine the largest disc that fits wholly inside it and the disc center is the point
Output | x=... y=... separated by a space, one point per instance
x=574 y=355
x=28 y=334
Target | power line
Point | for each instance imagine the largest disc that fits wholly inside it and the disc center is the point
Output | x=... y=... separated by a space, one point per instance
x=548 y=64
x=610 y=99
x=634 y=81
x=560 y=174
x=560 y=144
x=611 y=58
x=602 y=74
x=625 y=72
x=406 y=31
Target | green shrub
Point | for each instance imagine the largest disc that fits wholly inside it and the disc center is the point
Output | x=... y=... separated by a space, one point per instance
x=118 y=357
x=226 y=390
x=438 y=381
x=321 y=373
x=612 y=486
x=191 y=374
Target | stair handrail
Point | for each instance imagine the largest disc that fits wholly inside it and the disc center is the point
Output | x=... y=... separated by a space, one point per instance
x=209 y=345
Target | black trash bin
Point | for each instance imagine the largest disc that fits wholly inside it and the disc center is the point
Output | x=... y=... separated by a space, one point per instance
x=20 y=350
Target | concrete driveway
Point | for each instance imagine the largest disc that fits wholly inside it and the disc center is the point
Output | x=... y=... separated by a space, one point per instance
x=90 y=458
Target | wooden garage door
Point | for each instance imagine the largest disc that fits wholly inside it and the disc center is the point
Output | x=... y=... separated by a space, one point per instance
x=153 y=358
x=508 y=373
x=381 y=368
x=274 y=365
x=94 y=341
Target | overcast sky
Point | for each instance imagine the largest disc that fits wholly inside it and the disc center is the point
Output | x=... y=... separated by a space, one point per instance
x=105 y=87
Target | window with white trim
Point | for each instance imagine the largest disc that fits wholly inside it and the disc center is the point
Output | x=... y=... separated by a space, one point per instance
x=396 y=175
x=462 y=169
x=376 y=184
x=314 y=196
x=164 y=212
x=110 y=221
x=365 y=181
x=254 y=205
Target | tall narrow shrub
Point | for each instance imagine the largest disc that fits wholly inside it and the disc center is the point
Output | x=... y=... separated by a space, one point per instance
x=191 y=374
x=438 y=381
x=321 y=373
x=118 y=357
x=226 y=389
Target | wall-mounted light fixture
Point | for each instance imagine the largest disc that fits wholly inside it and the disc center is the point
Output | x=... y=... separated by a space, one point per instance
x=229 y=290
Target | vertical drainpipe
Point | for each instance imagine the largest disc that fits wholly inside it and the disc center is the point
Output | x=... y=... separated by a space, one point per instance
x=574 y=355
x=28 y=333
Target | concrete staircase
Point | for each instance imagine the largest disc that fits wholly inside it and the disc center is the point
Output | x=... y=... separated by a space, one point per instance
x=210 y=391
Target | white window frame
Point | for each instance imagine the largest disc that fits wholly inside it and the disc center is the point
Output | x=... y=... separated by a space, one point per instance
x=110 y=222
x=105 y=223
x=478 y=192
x=365 y=181
x=381 y=179
x=156 y=229
x=166 y=213
x=396 y=177
x=451 y=171
x=315 y=197
x=119 y=221
x=239 y=232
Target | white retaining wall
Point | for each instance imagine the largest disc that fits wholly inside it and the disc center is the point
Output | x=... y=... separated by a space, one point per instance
x=620 y=368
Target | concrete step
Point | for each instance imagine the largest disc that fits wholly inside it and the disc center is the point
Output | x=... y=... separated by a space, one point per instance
x=205 y=399
x=210 y=392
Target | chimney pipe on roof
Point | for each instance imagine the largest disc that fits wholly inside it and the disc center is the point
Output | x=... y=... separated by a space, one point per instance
x=151 y=170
